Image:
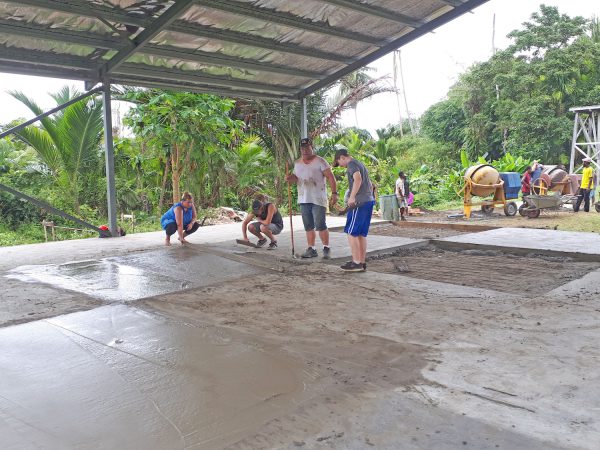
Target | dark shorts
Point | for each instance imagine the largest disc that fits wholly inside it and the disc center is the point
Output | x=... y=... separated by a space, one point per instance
x=313 y=216
x=255 y=226
x=171 y=229
x=359 y=220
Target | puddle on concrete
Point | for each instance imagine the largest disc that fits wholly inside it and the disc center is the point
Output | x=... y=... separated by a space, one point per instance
x=106 y=280
x=136 y=276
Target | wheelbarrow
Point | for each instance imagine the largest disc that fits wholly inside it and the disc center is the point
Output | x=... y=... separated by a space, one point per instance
x=534 y=204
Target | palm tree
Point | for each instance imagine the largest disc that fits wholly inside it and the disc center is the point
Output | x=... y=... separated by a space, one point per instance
x=346 y=94
x=248 y=169
x=68 y=143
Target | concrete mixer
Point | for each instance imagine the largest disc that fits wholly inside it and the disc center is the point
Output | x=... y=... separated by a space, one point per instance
x=484 y=180
x=554 y=179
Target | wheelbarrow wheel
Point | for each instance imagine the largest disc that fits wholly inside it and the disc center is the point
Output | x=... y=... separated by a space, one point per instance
x=522 y=210
x=487 y=209
x=533 y=213
x=510 y=209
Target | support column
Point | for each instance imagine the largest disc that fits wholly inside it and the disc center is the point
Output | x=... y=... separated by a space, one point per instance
x=574 y=143
x=303 y=120
x=111 y=191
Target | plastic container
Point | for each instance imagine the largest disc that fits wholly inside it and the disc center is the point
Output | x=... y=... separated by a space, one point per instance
x=388 y=204
x=512 y=184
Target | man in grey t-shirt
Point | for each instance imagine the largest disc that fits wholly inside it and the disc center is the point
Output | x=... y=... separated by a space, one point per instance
x=360 y=209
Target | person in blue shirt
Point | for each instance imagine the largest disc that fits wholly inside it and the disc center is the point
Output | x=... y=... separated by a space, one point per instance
x=180 y=218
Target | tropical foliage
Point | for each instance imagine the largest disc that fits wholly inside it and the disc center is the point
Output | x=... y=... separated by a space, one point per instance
x=506 y=111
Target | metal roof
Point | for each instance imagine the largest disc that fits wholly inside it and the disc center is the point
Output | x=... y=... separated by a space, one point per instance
x=274 y=49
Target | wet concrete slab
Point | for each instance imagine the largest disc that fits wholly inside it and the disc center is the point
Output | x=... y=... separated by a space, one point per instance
x=534 y=240
x=120 y=378
x=338 y=242
x=141 y=275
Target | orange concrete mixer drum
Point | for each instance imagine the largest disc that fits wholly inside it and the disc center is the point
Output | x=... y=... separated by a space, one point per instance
x=557 y=178
x=484 y=179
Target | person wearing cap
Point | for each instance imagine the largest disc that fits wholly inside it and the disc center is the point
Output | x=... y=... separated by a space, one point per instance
x=587 y=184
x=311 y=174
x=360 y=209
x=268 y=221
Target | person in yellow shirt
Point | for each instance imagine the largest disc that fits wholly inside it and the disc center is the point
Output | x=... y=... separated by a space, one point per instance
x=587 y=184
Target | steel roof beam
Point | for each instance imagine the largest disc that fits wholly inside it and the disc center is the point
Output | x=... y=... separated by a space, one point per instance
x=164 y=20
x=250 y=40
x=378 y=11
x=393 y=45
x=287 y=19
x=47 y=59
x=453 y=2
x=218 y=59
x=205 y=89
x=181 y=26
x=94 y=40
x=193 y=77
x=112 y=42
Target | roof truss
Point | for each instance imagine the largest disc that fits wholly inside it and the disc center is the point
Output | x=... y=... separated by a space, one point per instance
x=248 y=63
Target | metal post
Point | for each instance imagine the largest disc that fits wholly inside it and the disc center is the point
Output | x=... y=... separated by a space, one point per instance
x=111 y=191
x=303 y=119
x=574 y=143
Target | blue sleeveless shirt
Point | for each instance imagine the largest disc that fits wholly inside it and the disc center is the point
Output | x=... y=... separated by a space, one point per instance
x=169 y=216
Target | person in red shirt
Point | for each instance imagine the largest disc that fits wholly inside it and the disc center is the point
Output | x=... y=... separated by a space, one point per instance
x=526 y=182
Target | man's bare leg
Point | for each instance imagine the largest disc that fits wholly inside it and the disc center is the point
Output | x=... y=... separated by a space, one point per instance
x=255 y=233
x=354 y=248
x=362 y=244
x=265 y=229
x=311 y=237
x=168 y=240
x=324 y=236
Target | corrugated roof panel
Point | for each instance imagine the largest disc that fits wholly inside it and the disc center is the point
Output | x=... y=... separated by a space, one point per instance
x=268 y=48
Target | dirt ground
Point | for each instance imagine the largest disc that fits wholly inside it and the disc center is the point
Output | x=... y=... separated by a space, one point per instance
x=422 y=232
x=564 y=219
x=531 y=275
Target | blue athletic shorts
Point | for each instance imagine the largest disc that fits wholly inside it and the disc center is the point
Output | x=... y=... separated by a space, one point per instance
x=359 y=219
x=313 y=217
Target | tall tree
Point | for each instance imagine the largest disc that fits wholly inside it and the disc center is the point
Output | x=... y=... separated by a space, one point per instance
x=196 y=130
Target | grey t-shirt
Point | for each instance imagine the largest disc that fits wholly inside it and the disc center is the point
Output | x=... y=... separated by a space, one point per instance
x=365 y=192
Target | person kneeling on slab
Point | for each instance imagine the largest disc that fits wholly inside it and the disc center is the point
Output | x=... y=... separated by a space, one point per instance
x=268 y=223
x=180 y=219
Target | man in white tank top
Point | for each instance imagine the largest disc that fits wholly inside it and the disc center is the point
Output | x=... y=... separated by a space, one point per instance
x=311 y=173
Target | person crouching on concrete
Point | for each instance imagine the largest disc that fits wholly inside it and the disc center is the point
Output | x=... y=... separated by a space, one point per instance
x=180 y=218
x=360 y=209
x=268 y=221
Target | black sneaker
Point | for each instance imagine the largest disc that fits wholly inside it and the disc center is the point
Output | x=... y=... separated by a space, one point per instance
x=326 y=253
x=261 y=242
x=272 y=245
x=365 y=266
x=310 y=253
x=351 y=266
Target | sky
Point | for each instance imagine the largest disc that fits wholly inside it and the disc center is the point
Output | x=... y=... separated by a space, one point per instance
x=431 y=64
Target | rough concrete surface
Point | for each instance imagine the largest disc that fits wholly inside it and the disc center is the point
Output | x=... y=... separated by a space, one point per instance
x=534 y=239
x=259 y=351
